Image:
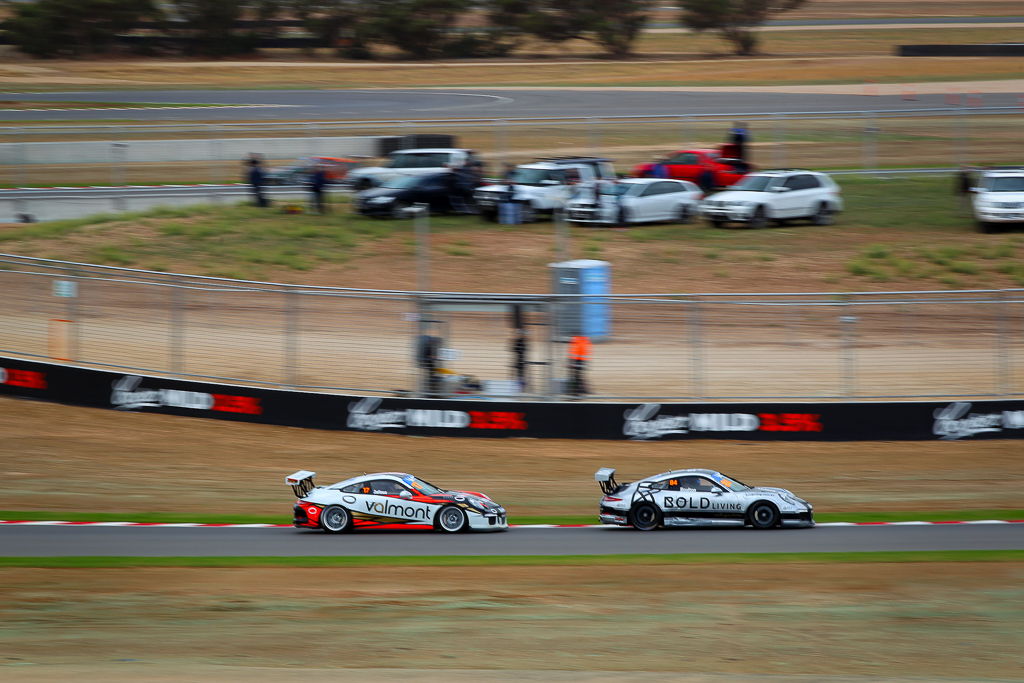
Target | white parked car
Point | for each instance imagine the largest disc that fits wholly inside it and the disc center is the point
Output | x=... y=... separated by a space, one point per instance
x=410 y=162
x=775 y=195
x=999 y=198
x=542 y=186
x=635 y=200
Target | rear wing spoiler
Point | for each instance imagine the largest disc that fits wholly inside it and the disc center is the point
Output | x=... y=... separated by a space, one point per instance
x=301 y=482
x=605 y=478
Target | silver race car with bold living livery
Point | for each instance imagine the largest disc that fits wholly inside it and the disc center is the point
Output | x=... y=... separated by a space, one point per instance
x=390 y=500
x=696 y=497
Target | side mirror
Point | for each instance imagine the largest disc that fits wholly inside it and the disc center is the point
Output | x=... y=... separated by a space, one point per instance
x=549 y=181
x=406 y=495
x=780 y=189
x=975 y=189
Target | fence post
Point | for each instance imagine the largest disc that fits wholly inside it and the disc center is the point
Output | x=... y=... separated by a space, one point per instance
x=869 y=145
x=1004 y=339
x=501 y=140
x=177 y=330
x=696 y=348
x=73 y=315
x=547 y=389
x=962 y=135
x=291 y=337
x=594 y=133
x=848 y=334
x=779 y=137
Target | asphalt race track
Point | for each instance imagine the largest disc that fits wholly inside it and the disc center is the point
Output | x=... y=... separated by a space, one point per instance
x=56 y=541
x=412 y=105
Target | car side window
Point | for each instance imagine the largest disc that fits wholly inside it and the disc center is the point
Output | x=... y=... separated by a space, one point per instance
x=704 y=485
x=651 y=189
x=352 y=488
x=382 y=487
x=667 y=187
x=801 y=182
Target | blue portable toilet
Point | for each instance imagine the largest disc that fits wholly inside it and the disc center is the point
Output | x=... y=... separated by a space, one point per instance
x=588 y=315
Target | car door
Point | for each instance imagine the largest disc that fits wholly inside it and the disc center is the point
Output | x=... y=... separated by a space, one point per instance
x=642 y=202
x=796 y=200
x=698 y=498
x=387 y=500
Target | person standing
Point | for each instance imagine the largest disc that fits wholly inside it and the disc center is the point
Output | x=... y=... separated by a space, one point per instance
x=706 y=179
x=257 y=179
x=659 y=169
x=963 y=185
x=519 y=348
x=579 y=354
x=317 y=183
x=739 y=137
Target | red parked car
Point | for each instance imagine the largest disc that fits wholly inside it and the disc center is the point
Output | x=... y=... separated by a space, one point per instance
x=688 y=164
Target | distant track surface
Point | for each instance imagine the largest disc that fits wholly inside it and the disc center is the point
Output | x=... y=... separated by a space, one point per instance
x=69 y=541
x=450 y=103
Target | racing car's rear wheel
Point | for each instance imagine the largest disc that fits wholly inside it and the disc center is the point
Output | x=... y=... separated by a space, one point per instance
x=645 y=517
x=451 y=520
x=763 y=516
x=335 y=519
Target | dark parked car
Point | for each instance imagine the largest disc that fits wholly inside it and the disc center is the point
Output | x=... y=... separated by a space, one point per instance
x=298 y=173
x=443 y=192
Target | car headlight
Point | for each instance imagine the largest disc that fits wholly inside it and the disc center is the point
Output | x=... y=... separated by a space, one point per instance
x=380 y=200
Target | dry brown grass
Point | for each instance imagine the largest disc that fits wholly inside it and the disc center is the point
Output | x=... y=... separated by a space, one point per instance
x=107 y=461
x=805 y=56
x=937 y=621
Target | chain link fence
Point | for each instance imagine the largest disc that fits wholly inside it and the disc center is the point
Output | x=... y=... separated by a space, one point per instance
x=814 y=346
x=869 y=140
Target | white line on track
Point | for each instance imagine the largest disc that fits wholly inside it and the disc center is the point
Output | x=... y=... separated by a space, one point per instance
x=513 y=526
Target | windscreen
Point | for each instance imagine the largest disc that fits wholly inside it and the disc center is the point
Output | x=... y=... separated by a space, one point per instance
x=423 y=487
x=730 y=483
x=534 y=176
x=400 y=182
x=1003 y=184
x=615 y=188
x=424 y=160
x=755 y=183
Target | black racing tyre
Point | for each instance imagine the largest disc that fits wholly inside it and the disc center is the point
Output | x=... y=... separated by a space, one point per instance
x=715 y=222
x=489 y=215
x=362 y=184
x=451 y=520
x=335 y=519
x=759 y=219
x=398 y=209
x=684 y=214
x=986 y=228
x=823 y=216
x=763 y=515
x=645 y=517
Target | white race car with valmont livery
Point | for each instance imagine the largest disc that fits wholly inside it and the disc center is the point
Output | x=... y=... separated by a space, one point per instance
x=696 y=497
x=390 y=500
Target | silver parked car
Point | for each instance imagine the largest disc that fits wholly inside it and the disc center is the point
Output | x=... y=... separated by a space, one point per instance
x=635 y=200
x=696 y=497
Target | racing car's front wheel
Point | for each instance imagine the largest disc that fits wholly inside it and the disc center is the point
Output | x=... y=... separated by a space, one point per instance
x=451 y=520
x=763 y=516
x=335 y=519
x=645 y=517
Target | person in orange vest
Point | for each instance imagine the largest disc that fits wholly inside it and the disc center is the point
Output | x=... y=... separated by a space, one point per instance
x=579 y=354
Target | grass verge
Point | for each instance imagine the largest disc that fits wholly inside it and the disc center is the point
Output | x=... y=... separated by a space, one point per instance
x=174 y=518
x=521 y=560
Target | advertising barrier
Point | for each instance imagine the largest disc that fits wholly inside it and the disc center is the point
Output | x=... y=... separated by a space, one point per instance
x=863 y=421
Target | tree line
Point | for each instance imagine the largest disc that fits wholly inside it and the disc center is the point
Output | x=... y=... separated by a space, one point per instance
x=354 y=29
